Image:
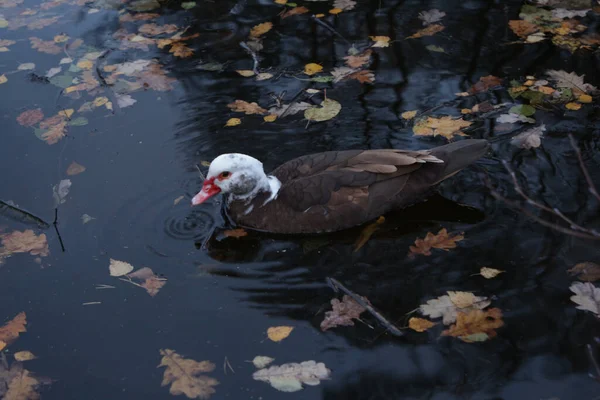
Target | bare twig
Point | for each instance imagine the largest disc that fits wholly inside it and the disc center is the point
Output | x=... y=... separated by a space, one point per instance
x=21 y=215
x=226 y=365
x=335 y=284
x=591 y=186
x=55 y=223
x=254 y=55
x=593 y=361
x=200 y=172
x=329 y=28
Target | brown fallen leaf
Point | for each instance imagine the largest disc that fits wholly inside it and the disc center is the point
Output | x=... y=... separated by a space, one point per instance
x=522 y=28
x=367 y=232
x=343 y=312
x=181 y=50
x=359 y=60
x=149 y=280
x=428 y=31
x=476 y=325
x=235 y=233
x=447 y=127
x=17 y=383
x=408 y=115
x=586 y=271
x=278 y=333
x=245 y=107
x=260 y=29
x=442 y=241
x=154 y=29
x=380 y=41
x=420 y=324
x=485 y=83
x=55 y=133
x=30 y=117
x=295 y=11
x=75 y=169
x=445 y=308
x=364 y=76
x=42 y=46
x=185 y=375
x=23 y=242
x=9 y=332
x=155 y=78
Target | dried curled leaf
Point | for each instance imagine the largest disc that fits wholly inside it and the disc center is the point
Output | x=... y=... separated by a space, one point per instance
x=442 y=241
x=295 y=11
x=148 y=280
x=245 y=107
x=428 y=31
x=587 y=296
x=9 y=332
x=185 y=375
x=586 y=271
x=290 y=377
x=278 y=333
x=342 y=313
x=444 y=126
x=420 y=324
x=367 y=232
x=476 y=325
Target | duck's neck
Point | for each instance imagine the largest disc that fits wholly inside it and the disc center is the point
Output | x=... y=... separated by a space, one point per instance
x=266 y=184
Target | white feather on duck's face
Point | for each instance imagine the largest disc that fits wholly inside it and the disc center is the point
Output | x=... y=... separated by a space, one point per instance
x=236 y=174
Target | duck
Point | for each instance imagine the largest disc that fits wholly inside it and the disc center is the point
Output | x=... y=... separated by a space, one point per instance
x=333 y=190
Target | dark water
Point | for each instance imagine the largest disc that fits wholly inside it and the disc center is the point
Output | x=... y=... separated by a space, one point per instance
x=219 y=300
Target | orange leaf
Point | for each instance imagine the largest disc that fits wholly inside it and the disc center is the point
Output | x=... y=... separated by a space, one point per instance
x=420 y=324
x=485 y=83
x=245 y=107
x=476 y=325
x=261 y=29
x=295 y=11
x=30 y=117
x=9 y=332
x=442 y=241
x=367 y=232
x=522 y=28
x=429 y=31
x=181 y=50
x=364 y=76
x=236 y=233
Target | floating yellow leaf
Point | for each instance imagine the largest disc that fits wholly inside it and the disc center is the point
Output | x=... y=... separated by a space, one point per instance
x=380 y=41
x=489 y=273
x=409 y=114
x=465 y=111
x=85 y=64
x=428 y=31
x=261 y=29
x=3 y=79
x=278 y=333
x=184 y=375
x=444 y=126
x=420 y=324
x=329 y=109
x=585 y=98
x=367 y=232
x=24 y=356
x=476 y=325
x=312 y=68
x=335 y=11
x=546 y=89
x=66 y=113
x=100 y=101
x=319 y=15
x=233 y=122
x=245 y=72
x=245 y=107
x=60 y=38
x=270 y=118
x=573 y=106
x=2 y=345
x=281 y=1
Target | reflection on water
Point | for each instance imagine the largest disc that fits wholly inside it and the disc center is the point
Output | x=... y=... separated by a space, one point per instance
x=223 y=293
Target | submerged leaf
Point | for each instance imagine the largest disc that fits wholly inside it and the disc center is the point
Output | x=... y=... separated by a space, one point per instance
x=342 y=313
x=428 y=31
x=531 y=138
x=290 y=377
x=485 y=83
x=30 y=117
x=586 y=271
x=185 y=375
x=431 y=16
x=358 y=60
x=75 y=169
x=23 y=242
x=442 y=240
x=17 y=383
x=148 y=280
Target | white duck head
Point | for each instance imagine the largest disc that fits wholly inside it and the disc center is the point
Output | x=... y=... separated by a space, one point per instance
x=240 y=176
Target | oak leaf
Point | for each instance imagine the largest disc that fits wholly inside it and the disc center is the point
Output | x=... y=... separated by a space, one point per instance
x=444 y=126
x=428 y=31
x=342 y=313
x=359 y=60
x=245 y=107
x=442 y=241
x=24 y=242
x=181 y=50
x=587 y=296
x=278 y=333
x=420 y=324
x=295 y=11
x=586 y=271
x=476 y=325
x=9 y=332
x=185 y=375
x=290 y=377
x=30 y=117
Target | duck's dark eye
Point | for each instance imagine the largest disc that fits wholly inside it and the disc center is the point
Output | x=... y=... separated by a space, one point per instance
x=225 y=174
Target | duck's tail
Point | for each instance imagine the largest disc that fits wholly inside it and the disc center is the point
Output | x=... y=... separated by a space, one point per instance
x=458 y=155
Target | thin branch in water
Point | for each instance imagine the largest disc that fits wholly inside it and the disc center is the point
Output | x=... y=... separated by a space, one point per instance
x=593 y=361
x=200 y=172
x=329 y=28
x=226 y=365
x=55 y=223
x=588 y=178
x=335 y=284
x=20 y=215
x=254 y=55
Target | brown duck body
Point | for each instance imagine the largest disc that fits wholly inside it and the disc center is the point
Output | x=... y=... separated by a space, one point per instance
x=335 y=190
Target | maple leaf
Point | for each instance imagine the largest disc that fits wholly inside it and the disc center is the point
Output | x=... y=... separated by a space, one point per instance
x=586 y=271
x=343 y=312
x=149 y=280
x=476 y=325
x=181 y=50
x=290 y=377
x=570 y=80
x=431 y=16
x=363 y=76
x=442 y=241
x=154 y=29
x=42 y=46
x=522 y=28
x=24 y=242
x=444 y=126
x=428 y=31
x=245 y=107
x=235 y=233
x=420 y=324
x=261 y=29
x=10 y=331
x=75 y=169
x=30 y=117
x=587 y=296
x=295 y=11
x=485 y=83
x=531 y=138
x=359 y=60
x=185 y=375
x=367 y=232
